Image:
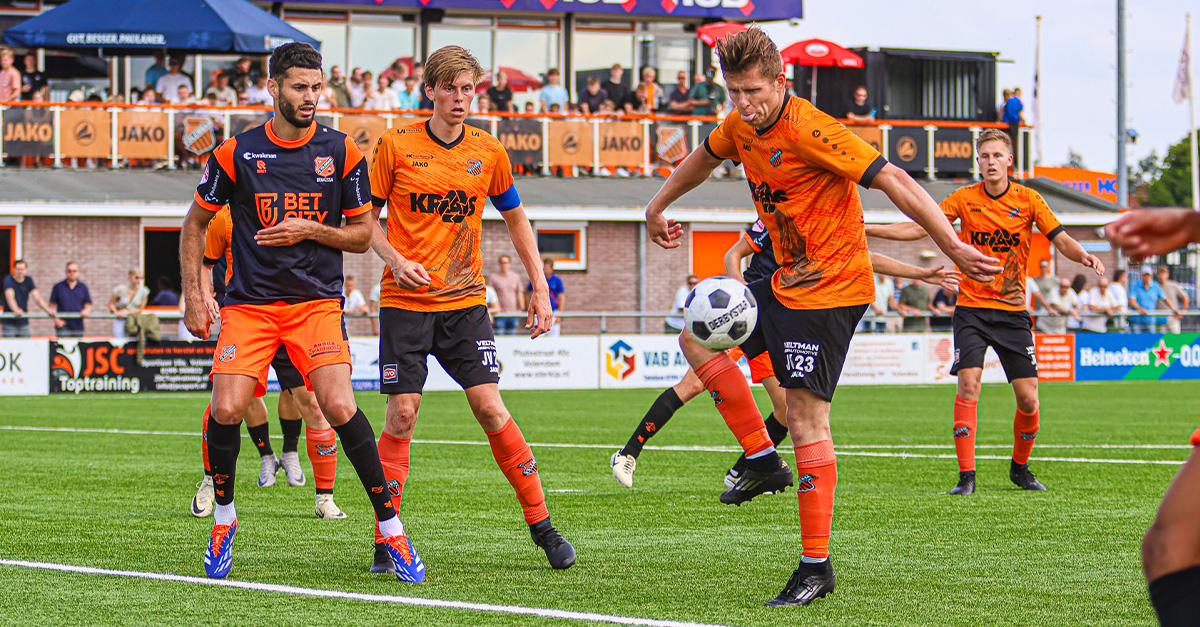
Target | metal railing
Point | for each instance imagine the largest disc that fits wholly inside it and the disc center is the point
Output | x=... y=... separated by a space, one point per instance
x=538 y=143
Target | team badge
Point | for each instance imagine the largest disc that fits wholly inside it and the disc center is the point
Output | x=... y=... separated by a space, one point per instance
x=672 y=144
x=323 y=166
x=198 y=135
x=390 y=373
x=228 y=353
x=776 y=157
x=804 y=483
x=474 y=167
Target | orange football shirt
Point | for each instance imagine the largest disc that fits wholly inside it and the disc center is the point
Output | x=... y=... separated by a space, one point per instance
x=803 y=172
x=1000 y=227
x=435 y=194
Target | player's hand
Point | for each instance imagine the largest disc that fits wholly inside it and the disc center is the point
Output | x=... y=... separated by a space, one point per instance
x=210 y=304
x=287 y=232
x=662 y=231
x=1144 y=233
x=941 y=277
x=973 y=263
x=197 y=318
x=1093 y=262
x=541 y=314
x=409 y=275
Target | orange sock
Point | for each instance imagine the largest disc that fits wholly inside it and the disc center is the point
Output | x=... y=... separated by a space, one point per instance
x=729 y=390
x=1025 y=428
x=966 y=418
x=393 y=454
x=816 y=481
x=520 y=468
x=322 y=452
x=204 y=440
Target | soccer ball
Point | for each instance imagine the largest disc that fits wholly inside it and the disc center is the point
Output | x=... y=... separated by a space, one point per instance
x=720 y=313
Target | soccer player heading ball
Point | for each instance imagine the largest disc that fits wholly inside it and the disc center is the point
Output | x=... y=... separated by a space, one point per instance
x=997 y=218
x=433 y=177
x=288 y=184
x=802 y=167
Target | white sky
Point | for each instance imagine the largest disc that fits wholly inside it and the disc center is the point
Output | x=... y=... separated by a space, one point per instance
x=1078 y=79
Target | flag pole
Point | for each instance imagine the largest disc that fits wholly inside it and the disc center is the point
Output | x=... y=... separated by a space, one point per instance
x=1122 y=172
x=1192 y=117
x=1037 y=101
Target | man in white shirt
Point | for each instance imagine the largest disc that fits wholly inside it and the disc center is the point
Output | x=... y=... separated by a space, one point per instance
x=885 y=299
x=373 y=306
x=674 y=323
x=1120 y=290
x=1175 y=295
x=1062 y=303
x=1101 y=300
x=168 y=84
x=226 y=96
x=354 y=302
x=258 y=93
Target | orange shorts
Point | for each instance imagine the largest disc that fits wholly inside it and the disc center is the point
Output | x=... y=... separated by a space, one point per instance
x=760 y=367
x=1196 y=437
x=313 y=333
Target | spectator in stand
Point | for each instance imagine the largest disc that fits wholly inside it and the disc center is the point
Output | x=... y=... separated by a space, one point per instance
x=341 y=91
x=353 y=301
x=608 y=108
x=33 y=80
x=1120 y=289
x=244 y=74
x=166 y=297
x=679 y=102
x=490 y=301
x=557 y=293
x=373 y=303
x=1046 y=281
x=396 y=72
x=149 y=97
x=1144 y=297
x=789 y=86
x=1013 y=115
x=529 y=108
x=18 y=289
x=656 y=97
x=555 y=108
x=356 y=89
x=636 y=101
x=10 y=77
x=859 y=110
x=1079 y=286
x=418 y=72
x=943 y=303
x=1176 y=298
x=135 y=95
x=553 y=93
x=507 y=285
x=1061 y=304
x=1102 y=300
x=381 y=97
x=328 y=98
x=673 y=324
x=483 y=104
x=707 y=96
x=226 y=96
x=157 y=70
x=168 y=84
x=242 y=99
x=183 y=96
x=127 y=299
x=70 y=295
x=410 y=98
x=1005 y=95
x=615 y=86
x=592 y=97
x=1035 y=301
x=912 y=302
x=885 y=300
x=501 y=94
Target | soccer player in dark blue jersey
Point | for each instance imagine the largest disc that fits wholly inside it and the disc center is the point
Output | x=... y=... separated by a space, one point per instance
x=288 y=184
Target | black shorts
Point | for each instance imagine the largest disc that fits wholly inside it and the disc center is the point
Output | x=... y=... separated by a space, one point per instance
x=1174 y=598
x=289 y=376
x=1008 y=332
x=807 y=346
x=462 y=341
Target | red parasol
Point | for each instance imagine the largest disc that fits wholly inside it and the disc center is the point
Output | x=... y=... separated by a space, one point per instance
x=517 y=80
x=710 y=34
x=816 y=53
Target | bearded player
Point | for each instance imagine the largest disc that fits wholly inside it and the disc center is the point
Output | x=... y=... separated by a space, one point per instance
x=802 y=167
x=288 y=184
x=433 y=177
x=997 y=218
x=1171 y=546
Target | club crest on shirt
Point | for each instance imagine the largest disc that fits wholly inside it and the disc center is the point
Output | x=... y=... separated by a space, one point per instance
x=474 y=167
x=228 y=353
x=323 y=166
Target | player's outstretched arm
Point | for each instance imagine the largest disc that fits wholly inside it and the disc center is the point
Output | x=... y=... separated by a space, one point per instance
x=900 y=232
x=409 y=275
x=688 y=176
x=197 y=316
x=734 y=257
x=937 y=276
x=354 y=236
x=1073 y=250
x=1145 y=233
x=520 y=231
x=916 y=203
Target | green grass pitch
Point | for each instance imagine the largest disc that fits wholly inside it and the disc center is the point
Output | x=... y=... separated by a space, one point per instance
x=905 y=552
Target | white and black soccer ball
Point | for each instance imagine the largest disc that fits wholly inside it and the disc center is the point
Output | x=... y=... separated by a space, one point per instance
x=720 y=313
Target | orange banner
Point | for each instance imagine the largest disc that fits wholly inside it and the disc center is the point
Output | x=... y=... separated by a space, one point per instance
x=1055 y=357
x=364 y=130
x=142 y=134
x=570 y=143
x=870 y=134
x=1099 y=184
x=86 y=133
x=621 y=144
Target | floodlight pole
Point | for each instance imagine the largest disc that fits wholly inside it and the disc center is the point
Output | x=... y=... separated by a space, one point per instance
x=1122 y=170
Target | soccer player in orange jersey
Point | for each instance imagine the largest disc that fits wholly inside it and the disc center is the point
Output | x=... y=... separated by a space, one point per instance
x=802 y=167
x=997 y=218
x=289 y=184
x=1171 y=546
x=433 y=177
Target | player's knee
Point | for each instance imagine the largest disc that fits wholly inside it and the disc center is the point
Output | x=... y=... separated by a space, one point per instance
x=688 y=388
x=401 y=418
x=229 y=411
x=338 y=410
x=492 y=416
x=968 y=389
x=1027 y=403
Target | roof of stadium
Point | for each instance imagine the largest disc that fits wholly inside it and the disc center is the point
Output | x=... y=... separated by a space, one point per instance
x=135 y=192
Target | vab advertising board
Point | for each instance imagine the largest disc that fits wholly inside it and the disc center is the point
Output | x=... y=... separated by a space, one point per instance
x=78 y=366
x=24 y=368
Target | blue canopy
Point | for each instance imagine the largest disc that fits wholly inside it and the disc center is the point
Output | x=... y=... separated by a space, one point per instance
x=127 y=26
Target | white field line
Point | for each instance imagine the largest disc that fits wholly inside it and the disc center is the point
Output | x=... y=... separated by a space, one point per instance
x=901 y=450
x=359 y=596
